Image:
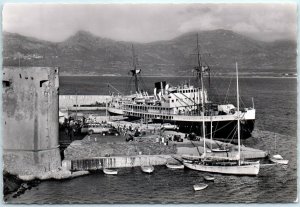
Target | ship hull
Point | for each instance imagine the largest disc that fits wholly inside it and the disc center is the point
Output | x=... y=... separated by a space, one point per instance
x=223 y=126
x=222 y=130
x=115 y=111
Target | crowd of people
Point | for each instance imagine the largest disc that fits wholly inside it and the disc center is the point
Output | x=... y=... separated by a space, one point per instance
x=71 y=127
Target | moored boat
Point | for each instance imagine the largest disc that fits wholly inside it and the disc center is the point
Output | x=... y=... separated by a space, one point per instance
x=209 y=178
x=200 y=186
x=110 y=171
x=215 y=164
x=278 y=159
x=229 y=168
x=147 y=169
x=183 y=106
x=175 y=166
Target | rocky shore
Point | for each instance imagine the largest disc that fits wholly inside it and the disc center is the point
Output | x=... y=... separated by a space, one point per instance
x=15 y=185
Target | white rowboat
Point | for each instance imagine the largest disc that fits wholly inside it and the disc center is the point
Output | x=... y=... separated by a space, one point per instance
x=209 y=178
x=175 y=166
x=200 y=186
x=147 y=169
x=110 y=171
x=278 y=159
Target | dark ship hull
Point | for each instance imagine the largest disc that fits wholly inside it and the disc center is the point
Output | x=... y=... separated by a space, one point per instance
x=222 y=130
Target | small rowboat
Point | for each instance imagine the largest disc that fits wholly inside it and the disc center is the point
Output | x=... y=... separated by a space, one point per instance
x=110 y=171
x=175 y=166
x=278 y=159
x=147 y=169
x=209 y=178
x=200 y=186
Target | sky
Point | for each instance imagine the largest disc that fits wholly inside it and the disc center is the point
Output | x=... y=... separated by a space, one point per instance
x=147 y=23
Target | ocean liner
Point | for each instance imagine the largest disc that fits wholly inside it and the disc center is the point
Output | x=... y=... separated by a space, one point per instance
x=182 y=105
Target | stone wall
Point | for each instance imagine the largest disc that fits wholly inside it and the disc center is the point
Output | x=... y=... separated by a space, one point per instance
x=98 y=163
x=30 y=119
x=66 y=101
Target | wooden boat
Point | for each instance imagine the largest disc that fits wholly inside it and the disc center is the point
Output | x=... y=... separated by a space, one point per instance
x=147 y=169
x=278 y=159
x=223 y=166
x=230 y=168
x=209 y=178
x=200 y=186
x=110 y=171
x=175 y=166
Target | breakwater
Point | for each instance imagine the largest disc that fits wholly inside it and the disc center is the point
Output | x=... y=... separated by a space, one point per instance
x=67 y=101
x=99 y=163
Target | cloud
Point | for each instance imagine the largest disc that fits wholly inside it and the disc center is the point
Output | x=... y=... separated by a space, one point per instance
x=145 y=23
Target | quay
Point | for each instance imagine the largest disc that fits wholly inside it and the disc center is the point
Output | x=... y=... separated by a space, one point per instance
x=95 y=152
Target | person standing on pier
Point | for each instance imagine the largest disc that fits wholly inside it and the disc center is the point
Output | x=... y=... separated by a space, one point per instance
x=71 y=130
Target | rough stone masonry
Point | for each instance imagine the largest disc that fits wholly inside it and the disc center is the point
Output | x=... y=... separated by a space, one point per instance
x=30 y=120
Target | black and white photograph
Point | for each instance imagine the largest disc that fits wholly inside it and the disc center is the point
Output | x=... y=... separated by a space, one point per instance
x=149 y=103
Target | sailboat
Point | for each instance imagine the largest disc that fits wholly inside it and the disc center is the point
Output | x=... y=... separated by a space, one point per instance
x=216 y=164
x=277 y=158
x=148 y=168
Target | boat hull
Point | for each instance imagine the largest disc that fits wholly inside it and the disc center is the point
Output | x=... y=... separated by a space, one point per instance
x=200 y=187
x=282 y=162
x=249 y=169
x=147 y=169
x=110 y=172
x=174 y=166
x=209 y=178
x=115 y=111
x=222 y=130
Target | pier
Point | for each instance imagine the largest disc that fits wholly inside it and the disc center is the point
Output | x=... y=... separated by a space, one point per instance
x=96 y=152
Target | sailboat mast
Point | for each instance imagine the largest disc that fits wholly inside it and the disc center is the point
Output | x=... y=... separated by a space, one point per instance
x=199 y=62
x=202 y=98
x=275 y=144
x=134 y=68
x=238 y=111
x=211 y=131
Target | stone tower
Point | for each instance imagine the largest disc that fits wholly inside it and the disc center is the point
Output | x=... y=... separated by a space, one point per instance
x=30 y=119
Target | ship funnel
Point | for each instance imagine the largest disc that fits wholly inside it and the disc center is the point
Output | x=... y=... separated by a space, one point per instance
x=167 y=88
x=159 y=95
x=155 y=92
x=160 y=87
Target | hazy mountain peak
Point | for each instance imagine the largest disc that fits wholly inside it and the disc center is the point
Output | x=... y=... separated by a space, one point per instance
x=85 y=52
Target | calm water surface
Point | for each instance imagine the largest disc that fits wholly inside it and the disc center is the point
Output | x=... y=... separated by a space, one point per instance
x=275 y=101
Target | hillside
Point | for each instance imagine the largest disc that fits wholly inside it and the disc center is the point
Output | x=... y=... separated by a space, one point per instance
x=85 y=53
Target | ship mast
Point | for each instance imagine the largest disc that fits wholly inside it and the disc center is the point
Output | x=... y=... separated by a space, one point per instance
x=134 y=71
x=238 y=111
x=200 y=71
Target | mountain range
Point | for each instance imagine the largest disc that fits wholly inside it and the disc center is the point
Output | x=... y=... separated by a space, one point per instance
x=86 y=54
